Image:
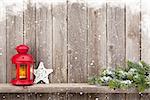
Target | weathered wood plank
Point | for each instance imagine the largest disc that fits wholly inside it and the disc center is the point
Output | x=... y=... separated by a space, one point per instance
x=64 y=88
x=101 y=96
x=44 y=96
x=75 y=96
x=3 y=46
x=96 y=40
x=77 y=42
x=4 y=96
x=144 y=96
x=115 y=35
x=14 y=33
x=29 y=26
x=59 y=96
x=116 y=96
x=59 y=13
x=16 y=96
x=145 y=33
x=133 y=33
x=30 y=96
x=77 y=24
x=134 y=96
x=44 y=35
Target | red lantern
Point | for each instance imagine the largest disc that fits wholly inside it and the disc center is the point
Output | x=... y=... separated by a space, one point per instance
x=23 y=67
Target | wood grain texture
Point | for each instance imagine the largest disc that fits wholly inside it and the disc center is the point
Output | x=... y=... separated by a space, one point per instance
x=3 y=46
x=30 y=96
x=29 y=26
x=101 y=96
x=134 y=96
x=44 y=96
x=96 y=40
x=14 y=33
x=75 y=96
x=59 y=13
x=116 y=96
x=133 y=33
x=115 y=35
x=44 y=35
x=144 y=96
x=59 y=96
x=77 y=68
x=145 y=43
x=4 y=96
x=16 y=96
x=65 y=88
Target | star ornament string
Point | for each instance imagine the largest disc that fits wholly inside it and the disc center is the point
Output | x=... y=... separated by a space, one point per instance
x=41 y=74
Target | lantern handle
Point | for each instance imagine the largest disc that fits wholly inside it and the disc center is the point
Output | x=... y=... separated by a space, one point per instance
x=22 y=48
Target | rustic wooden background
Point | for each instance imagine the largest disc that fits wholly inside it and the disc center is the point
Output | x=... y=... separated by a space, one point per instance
x=75 y=40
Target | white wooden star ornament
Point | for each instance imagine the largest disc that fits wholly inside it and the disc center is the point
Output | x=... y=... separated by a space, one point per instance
x=41 y=73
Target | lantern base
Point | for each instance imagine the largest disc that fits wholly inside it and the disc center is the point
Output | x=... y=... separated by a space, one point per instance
x=22 y=82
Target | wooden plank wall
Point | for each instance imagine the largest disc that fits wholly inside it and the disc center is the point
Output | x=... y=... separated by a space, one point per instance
x=74 y=39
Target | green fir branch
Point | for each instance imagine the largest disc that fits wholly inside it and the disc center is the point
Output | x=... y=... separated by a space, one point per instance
x=135 y=75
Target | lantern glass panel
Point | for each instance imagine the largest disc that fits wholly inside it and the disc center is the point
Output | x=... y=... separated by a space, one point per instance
x=13 y=71
x=23 y=71
x=31 y=72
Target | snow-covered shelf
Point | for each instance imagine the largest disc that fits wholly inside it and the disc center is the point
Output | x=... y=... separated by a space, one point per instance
x=62 y=88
